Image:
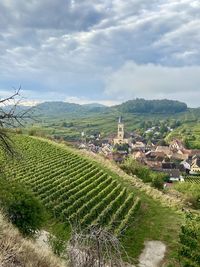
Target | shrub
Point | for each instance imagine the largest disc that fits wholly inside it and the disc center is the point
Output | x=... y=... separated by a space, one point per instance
x=21 y=207
x=157 y=182
x=131 y=166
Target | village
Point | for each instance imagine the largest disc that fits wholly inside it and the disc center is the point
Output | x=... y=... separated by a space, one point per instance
x=173 y=158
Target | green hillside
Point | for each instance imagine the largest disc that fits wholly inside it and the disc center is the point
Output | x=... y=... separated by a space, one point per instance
x=163 y=106
x=68 y=121
x=77 y=189
x=189 y=132
x=72 y=187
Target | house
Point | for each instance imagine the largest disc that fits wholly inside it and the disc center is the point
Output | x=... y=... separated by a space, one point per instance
x=120 y=139
x=165 y=149
x=176 y=145
x=139 y=146
x=179 y=156
x=106 y=149
x=139 y=156
x=168 y=165
x=185 y=166
x=195 y=166
x=155 y=155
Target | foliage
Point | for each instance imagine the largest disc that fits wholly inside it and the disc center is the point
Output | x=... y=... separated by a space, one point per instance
x=191 y=191
x=190 y=241
x=133 y=167
x=189 y=132
x=152 y=106
x=157 y=182
x=22 y=208
x=57 y=244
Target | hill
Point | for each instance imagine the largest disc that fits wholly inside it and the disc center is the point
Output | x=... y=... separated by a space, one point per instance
x=77 y=188
x=163 y=106
x=61 y=109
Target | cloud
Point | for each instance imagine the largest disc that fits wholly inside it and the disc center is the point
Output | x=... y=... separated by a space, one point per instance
x=152 y=81
x=84 y=100
x=68 y=48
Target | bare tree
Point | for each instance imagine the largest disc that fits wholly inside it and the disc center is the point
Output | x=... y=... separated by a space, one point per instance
x=10 y=117
x=94 y=247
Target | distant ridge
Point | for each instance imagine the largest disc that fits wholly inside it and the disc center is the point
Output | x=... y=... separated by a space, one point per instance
x=163 y=106
x=136 y=106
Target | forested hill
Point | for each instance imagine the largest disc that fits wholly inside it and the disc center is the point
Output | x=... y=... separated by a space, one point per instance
x=163 y=106
x=138 y=106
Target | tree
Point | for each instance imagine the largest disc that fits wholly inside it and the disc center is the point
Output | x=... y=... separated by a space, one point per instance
x=21 y=207
x=11 y=116
x=94 y=246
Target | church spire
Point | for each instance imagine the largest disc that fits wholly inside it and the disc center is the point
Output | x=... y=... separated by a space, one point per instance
x=120 y=119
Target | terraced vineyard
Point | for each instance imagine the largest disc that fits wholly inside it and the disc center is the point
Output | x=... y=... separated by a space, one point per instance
x=72 y=187
x=193 y=179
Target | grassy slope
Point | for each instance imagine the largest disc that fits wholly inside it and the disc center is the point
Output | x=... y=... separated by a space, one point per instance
x=17 y=251
x=155 y=222
x=159 y=218
x=190 y=131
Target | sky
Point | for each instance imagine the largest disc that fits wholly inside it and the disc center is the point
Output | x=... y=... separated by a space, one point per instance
x=105 y=51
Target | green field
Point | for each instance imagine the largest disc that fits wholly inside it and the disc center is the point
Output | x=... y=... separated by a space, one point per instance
x=76 y=189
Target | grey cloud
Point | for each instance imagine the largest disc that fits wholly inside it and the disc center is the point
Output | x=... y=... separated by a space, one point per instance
x=77 y=43
x=49 y=14
x=154 y=81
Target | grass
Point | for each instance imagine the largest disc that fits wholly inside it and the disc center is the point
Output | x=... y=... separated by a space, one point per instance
x=154 y=222
x=17 y=251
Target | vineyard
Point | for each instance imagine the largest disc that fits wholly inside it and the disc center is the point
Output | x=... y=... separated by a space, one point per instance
x=190 y=241
x=74 y=188
x=193 y=179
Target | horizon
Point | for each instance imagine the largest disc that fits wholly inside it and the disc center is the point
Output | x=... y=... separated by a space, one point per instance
x=35 y=103
x=101 y=51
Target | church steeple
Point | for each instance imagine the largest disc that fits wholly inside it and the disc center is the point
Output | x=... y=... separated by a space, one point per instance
x=120 y=119
x=120 y=139
x=120 y=129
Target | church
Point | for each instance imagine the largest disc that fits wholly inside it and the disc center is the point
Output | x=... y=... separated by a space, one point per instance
x=120 y=139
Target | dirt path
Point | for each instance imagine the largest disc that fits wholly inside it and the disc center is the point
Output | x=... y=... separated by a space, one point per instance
x=152 y=255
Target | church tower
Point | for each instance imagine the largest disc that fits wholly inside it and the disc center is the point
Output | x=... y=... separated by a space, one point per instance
x=120 y=139
x=120 y=134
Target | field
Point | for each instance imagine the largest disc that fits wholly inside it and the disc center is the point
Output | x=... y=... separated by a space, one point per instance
x=73 y=188
x=76 y=189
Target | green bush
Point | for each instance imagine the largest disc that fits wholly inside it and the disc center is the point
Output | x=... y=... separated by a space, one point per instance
x=22 y=208
x=158 y=182
x=133 y=167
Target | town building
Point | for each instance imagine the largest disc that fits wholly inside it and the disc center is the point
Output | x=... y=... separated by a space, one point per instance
x=195 y=166
x=176 y=145
x=120 y=139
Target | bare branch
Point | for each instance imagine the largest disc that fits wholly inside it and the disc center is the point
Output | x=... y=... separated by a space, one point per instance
x=94 y=247
x=11 y=117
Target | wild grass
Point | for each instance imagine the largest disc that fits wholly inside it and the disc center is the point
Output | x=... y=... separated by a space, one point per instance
x=15 y=251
